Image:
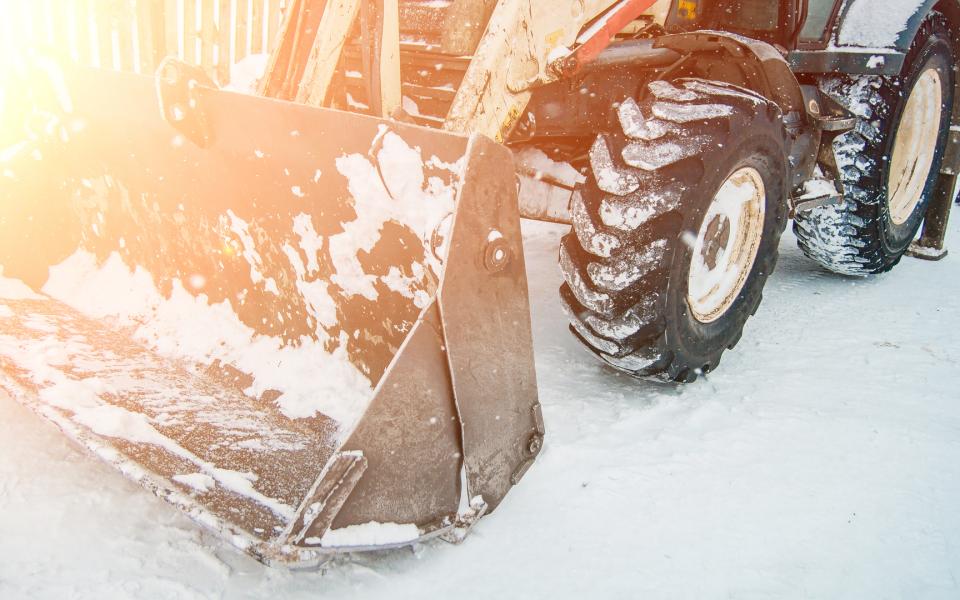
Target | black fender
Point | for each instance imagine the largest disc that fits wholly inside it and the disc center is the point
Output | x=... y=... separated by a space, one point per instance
x=746 y=62
x=621 y=71
x=756 y=66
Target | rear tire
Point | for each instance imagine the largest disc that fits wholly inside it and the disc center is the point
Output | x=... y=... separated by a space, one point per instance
x=884 y=205
x=647 y=211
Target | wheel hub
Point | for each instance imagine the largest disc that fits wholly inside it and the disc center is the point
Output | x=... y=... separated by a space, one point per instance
x=717 y=238
x=915 y=146
x=727 y=245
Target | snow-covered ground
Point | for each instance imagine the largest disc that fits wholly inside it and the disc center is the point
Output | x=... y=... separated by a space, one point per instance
x=821 y=461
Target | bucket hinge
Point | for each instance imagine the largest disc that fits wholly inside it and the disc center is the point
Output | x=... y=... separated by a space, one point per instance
x=179 y=93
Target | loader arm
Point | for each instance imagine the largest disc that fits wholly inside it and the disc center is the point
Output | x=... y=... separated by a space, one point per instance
x=524 y=45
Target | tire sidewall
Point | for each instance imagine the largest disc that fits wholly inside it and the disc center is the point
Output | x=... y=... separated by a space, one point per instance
x=703 y=342
x=937 y=52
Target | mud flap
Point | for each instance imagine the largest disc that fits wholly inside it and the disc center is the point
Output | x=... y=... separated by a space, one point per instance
x=304 y=327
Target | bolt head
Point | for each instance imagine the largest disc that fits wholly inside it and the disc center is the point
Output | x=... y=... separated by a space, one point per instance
x=535 y=443
x=496 y=255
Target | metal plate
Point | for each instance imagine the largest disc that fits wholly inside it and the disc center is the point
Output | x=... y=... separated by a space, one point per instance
x=486 y=316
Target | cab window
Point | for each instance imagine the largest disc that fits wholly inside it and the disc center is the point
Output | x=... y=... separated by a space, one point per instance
x=818 y=16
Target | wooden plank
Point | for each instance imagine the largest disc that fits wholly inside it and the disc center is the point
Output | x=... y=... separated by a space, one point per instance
x=17 y=21
x=243 y=21
x=224 y=59
x=171 y=27
x=104 y=25
x=338 y=18
x=37 y=22
x=7 y=27
x=286 y=44
x=256 y=27
x=443 y=95
x=147 y=39
x=389 y=60
x=41 y=22
x=208 y=36
x=58 y=27
x=24 y=21
x=190 y=31
x=80 y=28
x=274 y=18
x=123 y=21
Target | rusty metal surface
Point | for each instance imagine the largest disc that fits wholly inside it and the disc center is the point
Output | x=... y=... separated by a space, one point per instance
x=452 y=387
x=411 y=440
x=125 y=174
x=205 y=425
x=110 y=177
x=325 y=500
x=486 y=317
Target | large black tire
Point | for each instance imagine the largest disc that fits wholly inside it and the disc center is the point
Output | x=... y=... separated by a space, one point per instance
x=859 y=236
x=626 y=262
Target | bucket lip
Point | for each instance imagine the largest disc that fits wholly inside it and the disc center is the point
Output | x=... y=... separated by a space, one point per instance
x=273 y=552
x=305 y=557
x=130 y=469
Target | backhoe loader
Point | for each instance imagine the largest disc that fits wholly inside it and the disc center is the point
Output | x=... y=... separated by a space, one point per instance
x=301 y=315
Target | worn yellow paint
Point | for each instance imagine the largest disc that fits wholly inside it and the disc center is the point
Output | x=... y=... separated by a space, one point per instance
x=553 y=38
x=687 y=9
x=513 y=115
x=512 y=57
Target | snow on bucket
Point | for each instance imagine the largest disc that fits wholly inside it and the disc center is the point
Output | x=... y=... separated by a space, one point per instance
x=253 y=329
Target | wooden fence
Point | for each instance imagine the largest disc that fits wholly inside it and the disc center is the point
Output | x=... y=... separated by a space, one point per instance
x=135 y=35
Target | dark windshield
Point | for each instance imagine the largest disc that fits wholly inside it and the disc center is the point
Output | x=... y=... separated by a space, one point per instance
x=750 y=15
x=818 y=15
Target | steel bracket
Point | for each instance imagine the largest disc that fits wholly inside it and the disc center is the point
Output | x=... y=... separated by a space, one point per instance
x=485 y=310
x=951 y=156
x=931 y=245
x=328 y=495
x=465 y=521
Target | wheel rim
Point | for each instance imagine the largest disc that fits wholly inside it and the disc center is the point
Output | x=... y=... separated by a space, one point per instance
x=726 y=245
x=915 y=146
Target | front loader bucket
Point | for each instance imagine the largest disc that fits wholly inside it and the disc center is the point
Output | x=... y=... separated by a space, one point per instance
x=308 y=329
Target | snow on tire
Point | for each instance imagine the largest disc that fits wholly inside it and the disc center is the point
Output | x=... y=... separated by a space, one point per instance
x=652 y=183
x=882 y=209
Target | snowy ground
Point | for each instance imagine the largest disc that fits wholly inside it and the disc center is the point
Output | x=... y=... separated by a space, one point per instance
x=821 y=461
